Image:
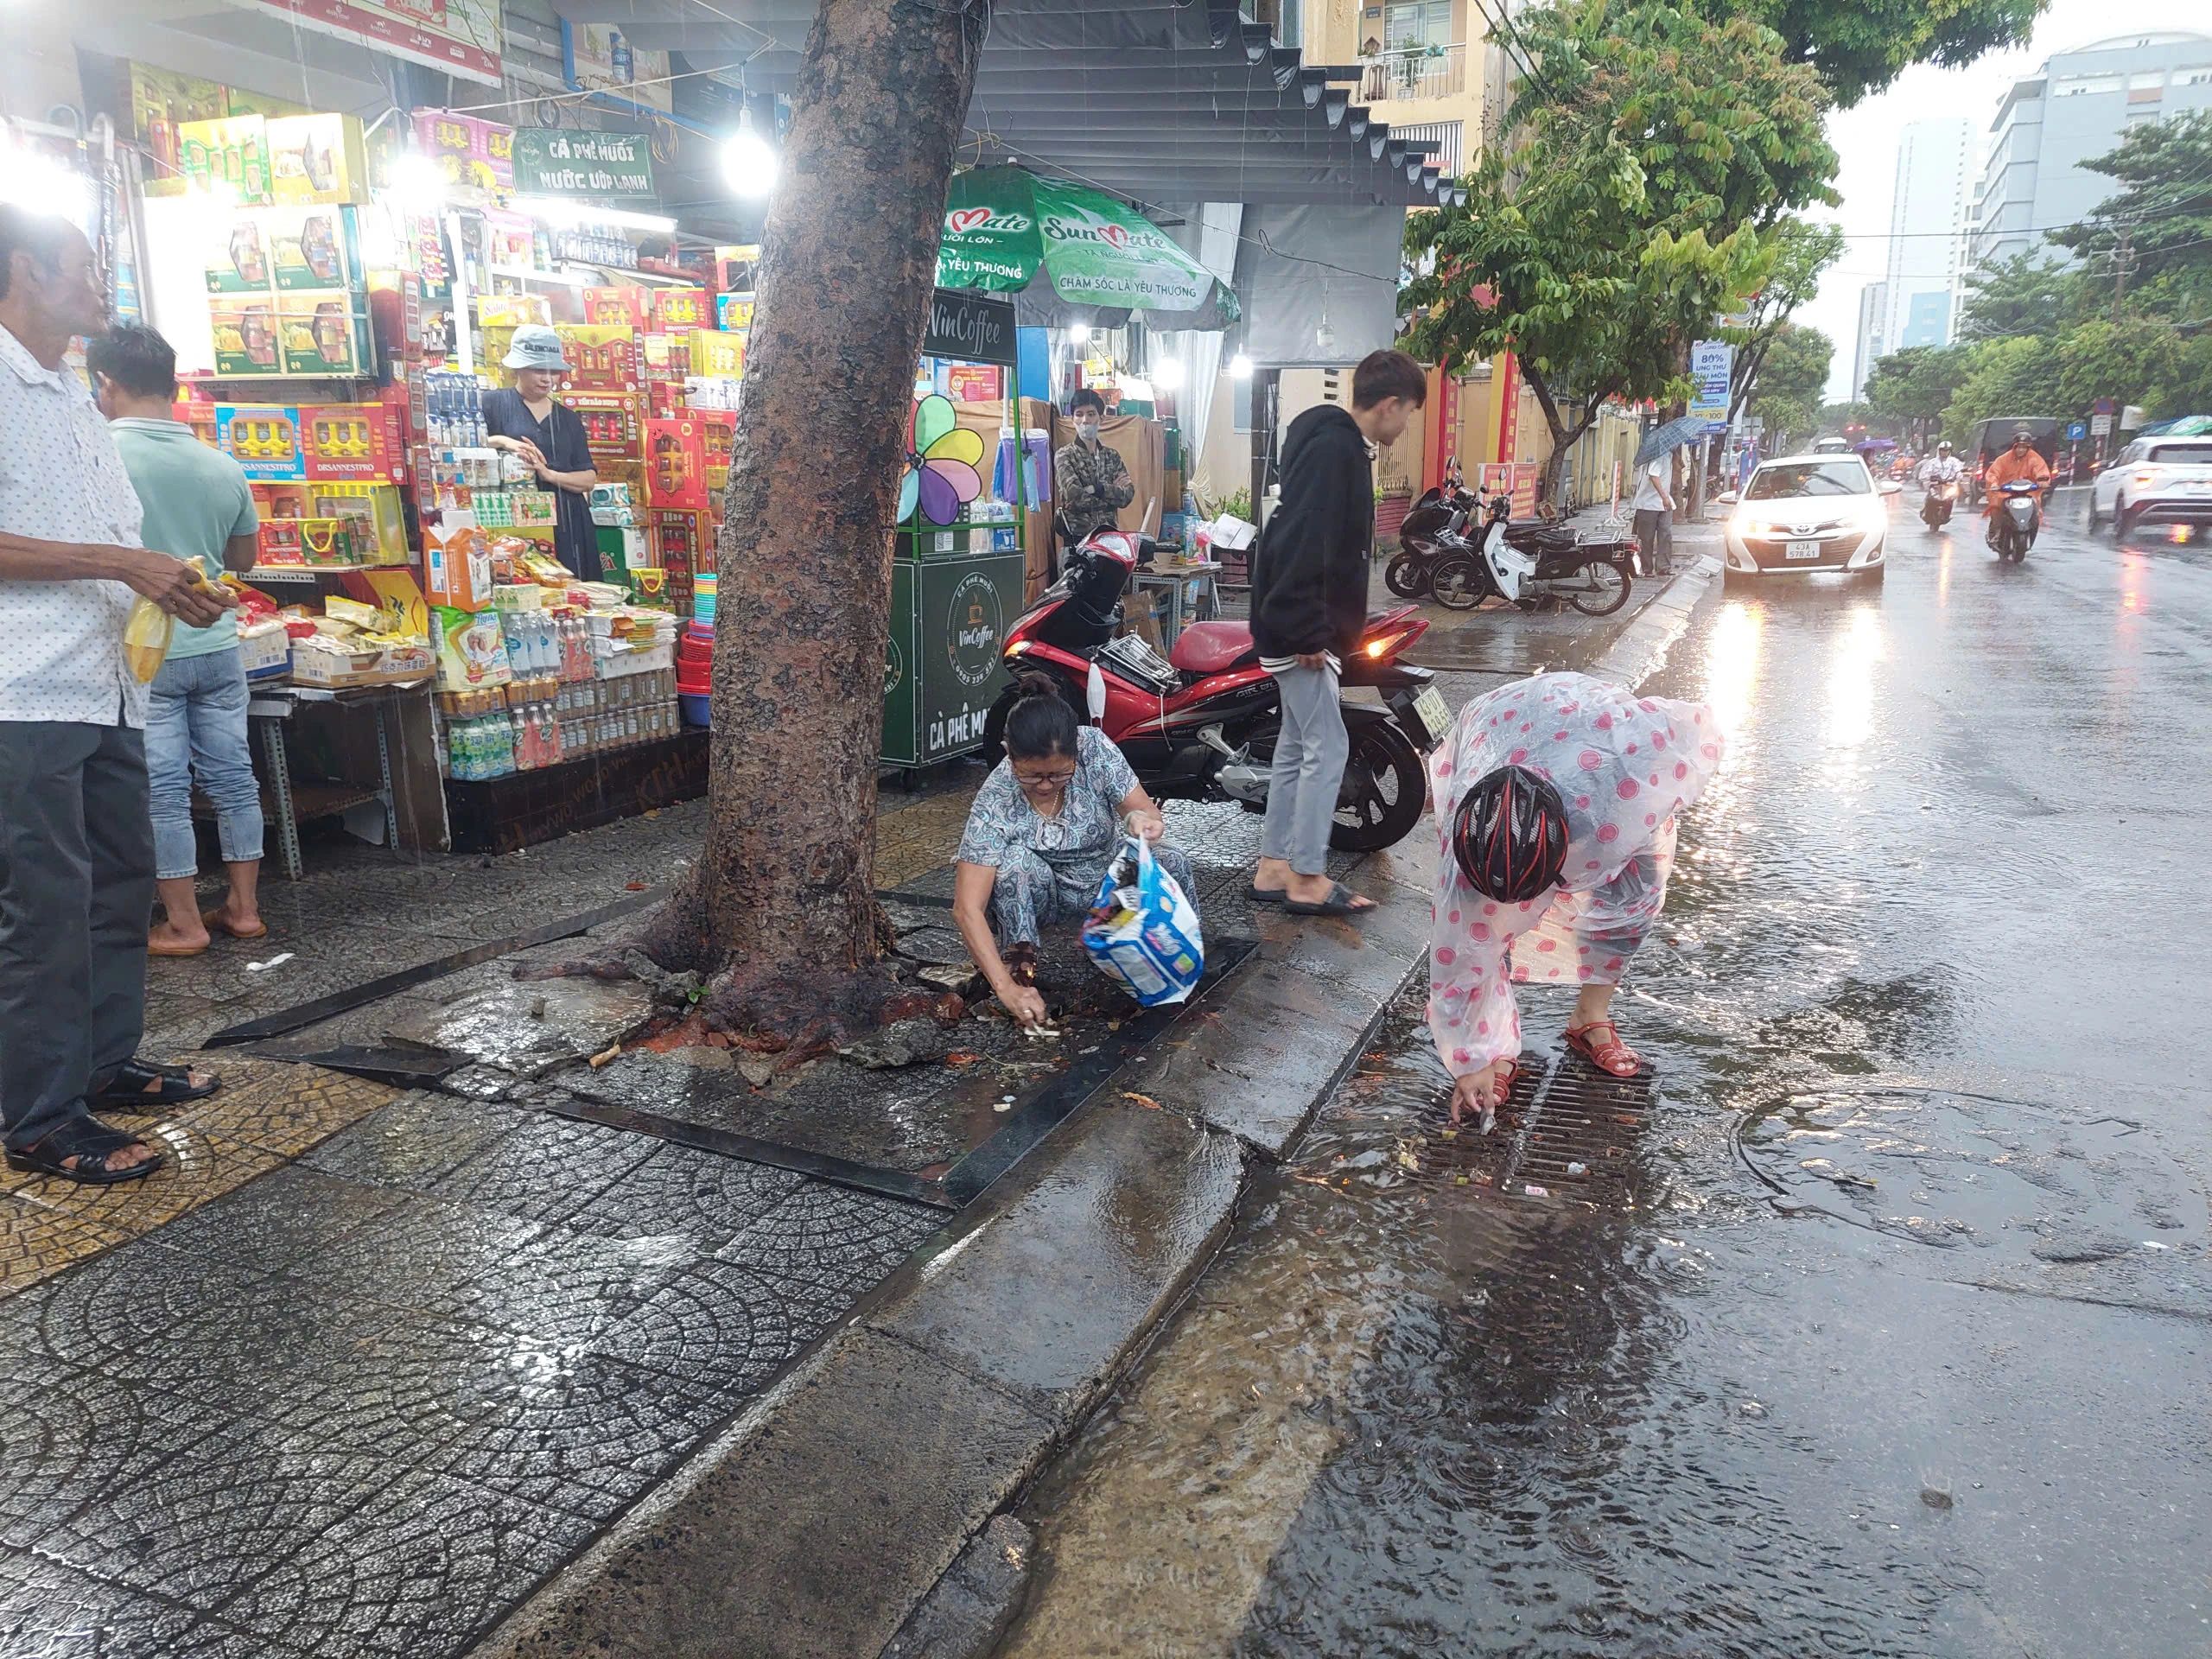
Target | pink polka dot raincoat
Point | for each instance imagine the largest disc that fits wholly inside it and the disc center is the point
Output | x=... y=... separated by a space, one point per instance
x=1625 y=765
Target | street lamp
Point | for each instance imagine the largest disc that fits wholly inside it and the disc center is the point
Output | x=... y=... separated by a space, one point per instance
x=749 y=162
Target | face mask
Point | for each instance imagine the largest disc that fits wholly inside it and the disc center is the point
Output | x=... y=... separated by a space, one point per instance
x=1087 y=431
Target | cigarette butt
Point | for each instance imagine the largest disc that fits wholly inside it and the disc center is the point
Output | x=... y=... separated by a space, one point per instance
x=605 y=1055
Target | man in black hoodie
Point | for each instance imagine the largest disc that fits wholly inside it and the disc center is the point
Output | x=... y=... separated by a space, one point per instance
x=1309 y=607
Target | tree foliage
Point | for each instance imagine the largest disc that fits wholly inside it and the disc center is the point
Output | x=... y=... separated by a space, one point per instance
x=2024 y=295
x=1786 y=394
x=1917 y=383
x=1862 y=46
x=2165 y=203
x=1801 y=251
x=1653 y=166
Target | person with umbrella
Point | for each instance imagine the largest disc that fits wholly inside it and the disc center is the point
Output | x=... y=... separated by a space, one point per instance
x=1654 y=492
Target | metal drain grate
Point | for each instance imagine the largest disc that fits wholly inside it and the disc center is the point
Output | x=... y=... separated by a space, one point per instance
x=1568 y=1131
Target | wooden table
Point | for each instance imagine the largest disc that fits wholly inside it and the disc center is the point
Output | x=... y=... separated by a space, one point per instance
x=1189 y=589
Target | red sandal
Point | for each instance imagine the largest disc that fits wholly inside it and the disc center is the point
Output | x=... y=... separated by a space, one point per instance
x=1611 y=1056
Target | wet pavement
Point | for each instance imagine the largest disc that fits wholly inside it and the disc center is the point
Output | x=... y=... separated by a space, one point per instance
x=1877 y=1323
x=367 y=1363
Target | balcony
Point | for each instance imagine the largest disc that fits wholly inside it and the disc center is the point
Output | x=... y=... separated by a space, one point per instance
x=1412 y=73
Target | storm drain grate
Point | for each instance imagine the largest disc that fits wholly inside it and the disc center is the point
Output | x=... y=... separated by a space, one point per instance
x=1576 y=1137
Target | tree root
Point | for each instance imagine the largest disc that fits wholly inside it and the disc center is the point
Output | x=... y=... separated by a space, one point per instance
x=799 y=1020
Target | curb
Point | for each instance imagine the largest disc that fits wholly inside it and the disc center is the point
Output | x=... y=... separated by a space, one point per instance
x=838 y=1515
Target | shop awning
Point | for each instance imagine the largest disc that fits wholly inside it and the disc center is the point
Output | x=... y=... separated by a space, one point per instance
x=1147 y=99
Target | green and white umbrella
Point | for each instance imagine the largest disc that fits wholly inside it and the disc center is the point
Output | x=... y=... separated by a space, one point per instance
x=1008 y=229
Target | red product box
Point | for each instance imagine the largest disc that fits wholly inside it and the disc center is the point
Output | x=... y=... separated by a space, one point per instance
x=613 y=425
x=683 y=541
x=621 y=308
x=602 y=359
x=679 y=310
x=718 y=437
x=676 y=464
x=350 y=442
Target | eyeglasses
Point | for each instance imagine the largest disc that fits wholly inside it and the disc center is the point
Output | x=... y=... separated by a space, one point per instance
x=1046 y=780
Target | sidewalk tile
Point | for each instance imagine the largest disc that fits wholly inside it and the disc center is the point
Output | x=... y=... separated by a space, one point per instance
x=721 y=1326
x=837 y=1241
x=416 y=1140
x=37 y=1241
x=701 y=1196
x=290 y=1212
x=545 y=1168
x=65 y=1440
x=49 y=1611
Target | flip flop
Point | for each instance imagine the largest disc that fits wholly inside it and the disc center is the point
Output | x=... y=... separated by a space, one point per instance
x=1260 y=895
x=214 y=919
x=1338 y=903
x=154 y=950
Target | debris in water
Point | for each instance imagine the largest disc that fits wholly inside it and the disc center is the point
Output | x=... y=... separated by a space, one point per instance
x=1141 y=1100
x=1040 y=1031
x=1536 y=1191
x=537 y=1008
x=1578 y=1169
x=961 y=1057
x=277 y=961
x=609 y=1052
x=1749 y=1409
x=1935 y=1496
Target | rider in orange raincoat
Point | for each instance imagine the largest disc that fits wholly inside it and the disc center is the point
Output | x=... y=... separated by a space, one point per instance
x=2021 y=461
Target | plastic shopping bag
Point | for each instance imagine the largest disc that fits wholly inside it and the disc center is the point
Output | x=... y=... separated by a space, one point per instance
x=1148 y=941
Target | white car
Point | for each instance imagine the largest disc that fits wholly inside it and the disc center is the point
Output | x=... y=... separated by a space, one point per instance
x=2155 y=480
x=1800 y=513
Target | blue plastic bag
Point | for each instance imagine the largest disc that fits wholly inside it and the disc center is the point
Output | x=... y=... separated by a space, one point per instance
x=1149 y=943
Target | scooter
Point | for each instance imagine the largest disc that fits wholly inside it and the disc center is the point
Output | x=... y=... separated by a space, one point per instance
x=1535 y=559
x=1935 y=510
x=1201 y=724
x=2019 y=515
x=1435 y=559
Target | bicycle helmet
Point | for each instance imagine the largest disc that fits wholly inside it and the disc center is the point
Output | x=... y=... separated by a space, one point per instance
x=1509 y=833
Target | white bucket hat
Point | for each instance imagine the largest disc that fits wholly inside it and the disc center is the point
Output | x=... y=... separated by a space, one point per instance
x=535 y=347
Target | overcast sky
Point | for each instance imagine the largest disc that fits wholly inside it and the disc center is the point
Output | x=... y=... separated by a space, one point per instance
x=1866 y=140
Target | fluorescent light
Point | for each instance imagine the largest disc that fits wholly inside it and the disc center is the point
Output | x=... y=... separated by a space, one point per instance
x=1167 y=373
x=558 y=210
x=749 y=162
x=1240 y=367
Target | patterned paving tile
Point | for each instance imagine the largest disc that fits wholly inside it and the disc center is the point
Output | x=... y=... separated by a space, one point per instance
x=425 y=1254
x=700 y=1196
x=839 y=1241
x=545 y=1168
x=200 y=1167
x=415 y=1142
x=36 y=1241
x=579 y=1432
x=67 y=1441
x=113 y=1313
x=49 y=1611
x=293 y=1212
x=422 y=1566
x=292 y=1111
x=722 y=1326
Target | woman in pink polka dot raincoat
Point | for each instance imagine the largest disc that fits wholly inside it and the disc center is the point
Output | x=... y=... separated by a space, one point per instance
x=1624 y=766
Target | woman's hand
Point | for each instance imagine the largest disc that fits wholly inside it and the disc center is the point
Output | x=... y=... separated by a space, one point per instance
x=1023 y=1003
x=1478 y=1094
x=1146 y=822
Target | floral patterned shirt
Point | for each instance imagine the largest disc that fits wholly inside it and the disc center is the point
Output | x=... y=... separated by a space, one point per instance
x=1079 y=839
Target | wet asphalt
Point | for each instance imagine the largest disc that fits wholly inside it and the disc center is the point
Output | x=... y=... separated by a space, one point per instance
x=1884 y=1329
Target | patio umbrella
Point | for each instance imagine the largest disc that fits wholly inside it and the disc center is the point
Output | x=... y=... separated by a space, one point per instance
x=1673 y=436
x=1005 y=230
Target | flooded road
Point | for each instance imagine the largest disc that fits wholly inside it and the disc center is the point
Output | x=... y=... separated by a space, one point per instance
x=1888 y=1331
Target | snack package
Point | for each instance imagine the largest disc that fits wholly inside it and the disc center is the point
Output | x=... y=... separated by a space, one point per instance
x=471 y=650
x=1149 y=942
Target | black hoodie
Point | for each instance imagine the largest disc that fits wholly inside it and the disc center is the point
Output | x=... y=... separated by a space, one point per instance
x=1309 y=572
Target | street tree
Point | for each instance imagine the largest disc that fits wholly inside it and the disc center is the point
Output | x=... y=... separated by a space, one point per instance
x=2025 y=295
x=2162 y=209
x=779 y=918
x=1652 y=162
x=1913 y=388
x=2019 y=375
x=1801 y=251
x=1786 y=396
x=1862 y=46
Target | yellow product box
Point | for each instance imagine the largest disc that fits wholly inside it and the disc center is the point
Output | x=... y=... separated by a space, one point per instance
x=323 y=335
x=244 y=264
x=373 y=512
x=511 y=310
x=317 y=159
x=718 y=354
x=228 y=159
x=679 y=310
x=312 y=248
x=327 y=661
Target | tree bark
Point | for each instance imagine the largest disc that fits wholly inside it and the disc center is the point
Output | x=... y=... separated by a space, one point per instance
x=784 y=893
x=1565 y=434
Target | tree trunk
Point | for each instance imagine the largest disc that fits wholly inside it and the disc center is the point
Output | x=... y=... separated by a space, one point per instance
x=786 y=885
x=1565 y=434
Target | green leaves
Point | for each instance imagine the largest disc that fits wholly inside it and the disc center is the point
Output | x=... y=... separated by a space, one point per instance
x=1859 y=47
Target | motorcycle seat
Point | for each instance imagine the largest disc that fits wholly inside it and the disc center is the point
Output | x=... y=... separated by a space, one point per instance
x=1211 y=647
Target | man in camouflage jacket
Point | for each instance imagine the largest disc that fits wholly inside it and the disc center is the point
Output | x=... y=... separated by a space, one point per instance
x=1090 y=483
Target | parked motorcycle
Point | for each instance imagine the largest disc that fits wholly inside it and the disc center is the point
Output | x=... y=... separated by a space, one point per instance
x=2019 y=516
x=1936 y=509
x=1435 y=560
x=1201 y=724
x=1532 y=558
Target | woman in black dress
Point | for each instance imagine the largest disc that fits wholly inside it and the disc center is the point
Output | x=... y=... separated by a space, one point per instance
x=549 y=437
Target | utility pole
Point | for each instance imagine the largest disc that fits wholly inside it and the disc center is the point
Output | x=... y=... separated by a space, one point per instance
x=2121 y=265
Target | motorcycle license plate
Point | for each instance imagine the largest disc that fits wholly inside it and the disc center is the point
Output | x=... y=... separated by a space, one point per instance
x=1435 y=712
x=1800 y=549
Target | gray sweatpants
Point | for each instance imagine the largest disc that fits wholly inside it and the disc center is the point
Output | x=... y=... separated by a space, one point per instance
x=1028 y=892
x=76 y=895
x=1309 y=771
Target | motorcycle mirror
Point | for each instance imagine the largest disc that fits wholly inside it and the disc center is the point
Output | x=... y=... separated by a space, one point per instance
x=1725 y=498
x=1889 y=486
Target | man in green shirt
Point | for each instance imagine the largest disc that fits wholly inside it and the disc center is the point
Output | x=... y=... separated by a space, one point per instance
x=199 y=507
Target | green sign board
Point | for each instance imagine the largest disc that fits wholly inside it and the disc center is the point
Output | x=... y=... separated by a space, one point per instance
x=567 y=162
x=942 y=673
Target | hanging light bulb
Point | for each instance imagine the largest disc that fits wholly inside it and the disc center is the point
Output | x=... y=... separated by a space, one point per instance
x=418 y=184
x=1324 y=338
x=1240 y=367
x=749 y=162
x=1167 y=373
x=1079 y=332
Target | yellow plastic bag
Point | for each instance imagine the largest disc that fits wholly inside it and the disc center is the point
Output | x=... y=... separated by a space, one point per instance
x=146 y=639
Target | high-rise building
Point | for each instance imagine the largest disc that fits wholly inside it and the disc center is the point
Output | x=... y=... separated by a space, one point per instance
x=1874 y=313
x=1928 y=214
x=2078 y=106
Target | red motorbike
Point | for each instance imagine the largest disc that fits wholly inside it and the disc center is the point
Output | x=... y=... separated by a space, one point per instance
x=1200 y=724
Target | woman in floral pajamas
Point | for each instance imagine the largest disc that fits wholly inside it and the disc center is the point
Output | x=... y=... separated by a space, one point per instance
x=1605 y=773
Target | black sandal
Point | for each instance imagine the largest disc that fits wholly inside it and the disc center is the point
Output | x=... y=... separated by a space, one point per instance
x=1338 y=903
x=128 y=1091
x=92 y=1144
x=1260 y=895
